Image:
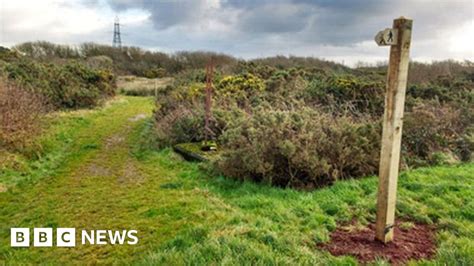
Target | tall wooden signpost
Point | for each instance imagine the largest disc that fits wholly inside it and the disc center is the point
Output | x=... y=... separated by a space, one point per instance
x=399 y=39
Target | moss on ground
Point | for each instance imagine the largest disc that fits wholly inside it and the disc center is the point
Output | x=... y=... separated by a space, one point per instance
x=193 y=151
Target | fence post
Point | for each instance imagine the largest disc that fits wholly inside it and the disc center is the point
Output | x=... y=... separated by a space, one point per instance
x=208 y=134
x=399 y=39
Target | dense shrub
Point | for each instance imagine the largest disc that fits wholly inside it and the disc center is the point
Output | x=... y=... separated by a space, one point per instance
x=68 y=85
x=179 y=122
x=127 y=60
x=47 y=51
x=100 y=62
x=241 y=90
x=420 y=73
x=284 y=62
x=155 y=73
x=20 y=117
x=431 y=129
x=139 y=62
x=306 y=127
x=32 y=84
x=241 y=83
x=339 y=93
x=458 y=93
x=299 y=148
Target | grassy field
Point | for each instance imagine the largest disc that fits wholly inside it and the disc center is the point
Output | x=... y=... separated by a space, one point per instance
x=99 y=173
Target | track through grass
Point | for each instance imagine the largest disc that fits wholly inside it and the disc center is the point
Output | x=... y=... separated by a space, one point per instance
x=100 y=175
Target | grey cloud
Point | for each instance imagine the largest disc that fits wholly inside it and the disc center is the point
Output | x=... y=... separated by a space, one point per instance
x=125 y=4
x=349 y=22
x=277 y=24
x=165 y=14
x=276 y=18
x=336 y=22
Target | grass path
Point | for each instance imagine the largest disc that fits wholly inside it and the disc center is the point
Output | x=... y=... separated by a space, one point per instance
x=100 y=176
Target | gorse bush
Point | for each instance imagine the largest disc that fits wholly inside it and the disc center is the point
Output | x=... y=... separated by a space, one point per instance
x=431 y=129
x=307 y=127
x=180 y=124
x=67 y=85
x=239 y=89
x=299 y=148
x=348 y=92
x=240 y=83
x=179 y=115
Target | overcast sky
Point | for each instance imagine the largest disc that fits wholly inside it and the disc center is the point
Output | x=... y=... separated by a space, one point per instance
x=339 y=30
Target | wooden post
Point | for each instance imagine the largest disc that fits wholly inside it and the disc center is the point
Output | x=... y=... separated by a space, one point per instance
x=208 y=134
x=392 y=128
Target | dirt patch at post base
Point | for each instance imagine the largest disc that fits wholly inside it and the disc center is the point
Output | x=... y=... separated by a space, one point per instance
x=414 y=243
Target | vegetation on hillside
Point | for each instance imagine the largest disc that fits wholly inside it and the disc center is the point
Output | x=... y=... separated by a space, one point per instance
x=30 y=88
x=126 y=60
x=290 y=122
x=69 y=84
x=152 y=64
x=307 y=127
x=184 y=216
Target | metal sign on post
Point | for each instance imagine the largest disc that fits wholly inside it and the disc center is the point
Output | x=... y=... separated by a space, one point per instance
x=399 y=39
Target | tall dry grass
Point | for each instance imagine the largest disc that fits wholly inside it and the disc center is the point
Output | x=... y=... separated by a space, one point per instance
x=139 y=86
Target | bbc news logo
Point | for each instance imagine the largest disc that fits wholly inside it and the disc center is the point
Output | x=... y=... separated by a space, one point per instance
x=66 y=237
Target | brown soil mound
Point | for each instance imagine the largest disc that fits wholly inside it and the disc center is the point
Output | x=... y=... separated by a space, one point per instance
x=416 y=242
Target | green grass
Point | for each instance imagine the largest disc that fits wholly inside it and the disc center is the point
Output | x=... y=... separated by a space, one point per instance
x=102 y=174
